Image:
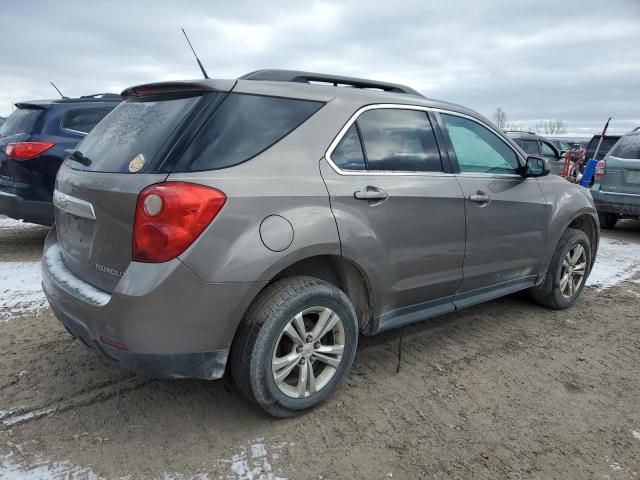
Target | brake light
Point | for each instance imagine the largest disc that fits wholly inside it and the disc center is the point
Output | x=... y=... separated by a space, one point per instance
x=170 y=216
x=26 y=150
x=599 y=174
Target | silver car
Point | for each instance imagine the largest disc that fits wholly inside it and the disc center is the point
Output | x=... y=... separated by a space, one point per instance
x=616 y=187
x=260 y=225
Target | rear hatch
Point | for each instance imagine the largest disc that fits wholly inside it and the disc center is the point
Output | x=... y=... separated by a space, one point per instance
x=622 y=168
x=21 y=124
x=98 y=186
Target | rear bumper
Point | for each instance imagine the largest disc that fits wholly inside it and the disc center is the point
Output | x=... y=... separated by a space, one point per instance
x=31 y=211
x=613 y=202
x=161 y=321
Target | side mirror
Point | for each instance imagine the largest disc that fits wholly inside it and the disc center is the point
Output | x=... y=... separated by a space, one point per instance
x=536 y=167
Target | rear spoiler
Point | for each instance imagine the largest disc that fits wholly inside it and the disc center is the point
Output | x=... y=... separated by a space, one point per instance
x=165 y=88
x=36 y=104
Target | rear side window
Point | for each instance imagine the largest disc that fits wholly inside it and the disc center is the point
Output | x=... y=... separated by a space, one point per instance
x=135 y=127
x=21 y=120
x=399 y=140
x=83 y=120
x=242 y=127
x=628 y=147
x=394 y=140
x=348 y=154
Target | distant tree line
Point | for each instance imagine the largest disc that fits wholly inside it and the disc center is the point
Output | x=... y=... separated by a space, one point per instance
x=543 y=127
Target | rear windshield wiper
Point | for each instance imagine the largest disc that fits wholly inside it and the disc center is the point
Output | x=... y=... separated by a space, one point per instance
x=78 y=157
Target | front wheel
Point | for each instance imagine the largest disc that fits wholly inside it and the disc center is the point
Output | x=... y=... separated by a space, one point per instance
x=295 y=346
x=567 y=272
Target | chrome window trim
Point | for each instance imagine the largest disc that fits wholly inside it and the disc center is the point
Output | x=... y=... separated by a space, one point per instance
x=351 y=121
x=521 y=160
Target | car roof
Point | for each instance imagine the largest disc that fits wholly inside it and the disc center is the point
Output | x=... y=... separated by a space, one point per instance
x=304 y=91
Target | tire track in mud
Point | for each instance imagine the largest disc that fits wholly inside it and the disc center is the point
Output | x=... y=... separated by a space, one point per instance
x=82 y=398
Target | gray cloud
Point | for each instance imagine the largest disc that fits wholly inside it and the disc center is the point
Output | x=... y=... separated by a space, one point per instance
x=574 y=60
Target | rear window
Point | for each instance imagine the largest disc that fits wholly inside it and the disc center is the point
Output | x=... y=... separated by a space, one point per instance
x=607 y=143
x=629 y=148
x=83 y=120
x=21 y=120
x=242 y=127
x=138 y=128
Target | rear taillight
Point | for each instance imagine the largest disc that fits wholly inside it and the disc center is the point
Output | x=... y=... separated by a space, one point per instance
x=599 y=173
x=26 y=150
x=170 y=216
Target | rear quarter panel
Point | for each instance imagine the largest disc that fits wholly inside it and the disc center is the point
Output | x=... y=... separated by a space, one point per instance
x=284 y=180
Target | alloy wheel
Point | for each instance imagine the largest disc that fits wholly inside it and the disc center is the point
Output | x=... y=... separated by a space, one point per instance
x=308 y=352
x=573 y=270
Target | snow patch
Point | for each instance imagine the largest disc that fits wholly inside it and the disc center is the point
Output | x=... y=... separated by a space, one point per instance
x=20 y=289
x=44 y=471
x=52 y=259
x=11 y=224
x=616 y=262
x=250 y=463
x=635 y=434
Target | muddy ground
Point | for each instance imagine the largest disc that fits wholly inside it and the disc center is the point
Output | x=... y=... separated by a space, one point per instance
x=502 y=390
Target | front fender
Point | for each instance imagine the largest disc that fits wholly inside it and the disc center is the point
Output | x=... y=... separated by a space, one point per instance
x=567 y=203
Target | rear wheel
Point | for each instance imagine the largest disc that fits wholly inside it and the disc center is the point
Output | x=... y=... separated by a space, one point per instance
x=567 y=272
x=296 y=345
x=608 y=220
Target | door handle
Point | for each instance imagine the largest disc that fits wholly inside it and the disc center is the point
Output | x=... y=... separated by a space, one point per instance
x=371 y=193
x=480 y=197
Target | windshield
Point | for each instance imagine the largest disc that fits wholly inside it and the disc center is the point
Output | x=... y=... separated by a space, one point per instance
x=134 y=135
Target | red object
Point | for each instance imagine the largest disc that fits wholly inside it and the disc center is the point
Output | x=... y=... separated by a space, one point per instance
x=26 y=150
x=599 y=174
x=114 y=343
x=170 y=216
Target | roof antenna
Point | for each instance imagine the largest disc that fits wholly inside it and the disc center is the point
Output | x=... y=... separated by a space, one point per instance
x=204 y=72
x=57 y=89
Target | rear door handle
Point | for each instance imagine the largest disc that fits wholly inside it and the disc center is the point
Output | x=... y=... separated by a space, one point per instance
x=371 y=193
x=480 y=197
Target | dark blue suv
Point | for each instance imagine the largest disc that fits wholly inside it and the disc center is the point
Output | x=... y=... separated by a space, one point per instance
x=32 y=144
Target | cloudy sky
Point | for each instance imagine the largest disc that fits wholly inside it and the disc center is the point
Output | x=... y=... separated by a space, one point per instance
x=575 y=60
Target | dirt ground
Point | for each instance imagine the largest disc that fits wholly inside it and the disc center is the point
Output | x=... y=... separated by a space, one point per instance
x=502 y=390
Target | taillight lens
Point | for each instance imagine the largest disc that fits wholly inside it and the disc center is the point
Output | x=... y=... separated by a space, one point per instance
x=170 y=216
x=26 y=150
x=599 y=174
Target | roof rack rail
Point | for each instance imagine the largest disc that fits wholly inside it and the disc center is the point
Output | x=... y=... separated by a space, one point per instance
x=335 y=80
x=636 y=129
x=102 y=95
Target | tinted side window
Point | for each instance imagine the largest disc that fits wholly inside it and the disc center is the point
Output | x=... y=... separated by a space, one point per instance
x=348 y=154
x=242 y=127
x=21 y=120
x=399 y=140
x=477 y=148
x=546 y=150
x=84 y=120
x=628 y=147
x=531 y=147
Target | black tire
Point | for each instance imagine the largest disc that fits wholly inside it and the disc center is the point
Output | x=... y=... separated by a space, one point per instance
x=256 y=339
x=608 y=220
x=549 y=294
